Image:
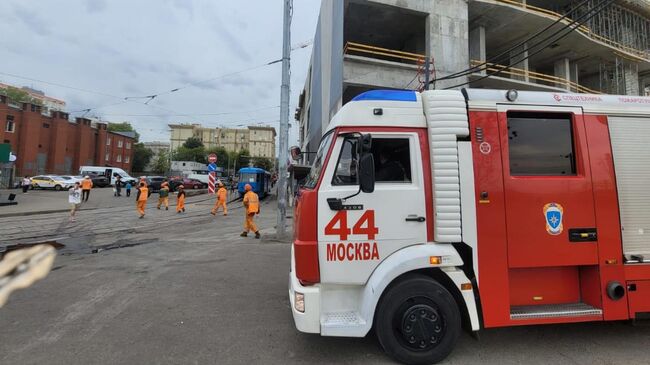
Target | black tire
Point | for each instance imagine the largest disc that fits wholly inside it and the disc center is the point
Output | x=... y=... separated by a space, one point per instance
x=413 y=309
x=57 y=187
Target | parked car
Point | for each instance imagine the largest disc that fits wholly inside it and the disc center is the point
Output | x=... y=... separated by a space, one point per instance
x=187 y=183
x=72 y=179
x=99 y=181
x=51 y=182
x=154 y=182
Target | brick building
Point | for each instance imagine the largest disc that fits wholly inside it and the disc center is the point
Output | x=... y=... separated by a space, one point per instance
x=47 y=142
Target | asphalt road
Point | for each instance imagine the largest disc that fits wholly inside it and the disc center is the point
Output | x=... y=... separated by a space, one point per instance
x=186 y=289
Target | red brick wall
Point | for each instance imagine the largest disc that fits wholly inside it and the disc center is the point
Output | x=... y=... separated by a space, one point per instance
x=63 y=146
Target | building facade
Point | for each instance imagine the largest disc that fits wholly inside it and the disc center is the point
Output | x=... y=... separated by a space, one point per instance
x=362 y=45
x=258 y=140
x=50 y=143
x=48 y=103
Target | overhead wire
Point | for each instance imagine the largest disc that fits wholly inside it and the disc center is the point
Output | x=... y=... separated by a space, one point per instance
x=508 y=51
x=599 y=7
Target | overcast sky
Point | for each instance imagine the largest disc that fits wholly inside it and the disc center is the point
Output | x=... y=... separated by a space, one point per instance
x=121 y=48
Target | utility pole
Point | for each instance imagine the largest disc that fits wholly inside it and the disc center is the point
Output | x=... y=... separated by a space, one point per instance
x=284 y=122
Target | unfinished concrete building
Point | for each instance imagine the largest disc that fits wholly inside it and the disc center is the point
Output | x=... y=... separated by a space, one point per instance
x=395 y=44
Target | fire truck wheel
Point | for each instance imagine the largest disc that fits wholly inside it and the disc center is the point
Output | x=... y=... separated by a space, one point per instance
x=417 y=321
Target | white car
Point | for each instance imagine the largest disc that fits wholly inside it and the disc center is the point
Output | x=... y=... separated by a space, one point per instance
x=51 y=182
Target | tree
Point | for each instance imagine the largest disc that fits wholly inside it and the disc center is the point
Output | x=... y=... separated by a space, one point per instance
x=264 y=163
x=161 y=164
x=19 y=96
x=183 y=153
x=193 y=142
x=141 y=157
x=123 y=127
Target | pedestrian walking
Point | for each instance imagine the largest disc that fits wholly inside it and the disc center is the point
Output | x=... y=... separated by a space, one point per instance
x=163 y=195
x=74 y=198
x=118 y=185
x=180 y=199
x=128 y=188
x=26 y=183
x=252 y=207
x=221 y=200
x=86 y=185
x=141 y=199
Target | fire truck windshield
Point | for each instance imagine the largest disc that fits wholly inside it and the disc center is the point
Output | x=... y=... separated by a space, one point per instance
x=316 y=168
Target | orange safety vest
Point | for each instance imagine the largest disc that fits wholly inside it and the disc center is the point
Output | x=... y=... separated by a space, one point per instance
x=251 y=202
x=86 y=184
x=221 y=194
x=144 y=193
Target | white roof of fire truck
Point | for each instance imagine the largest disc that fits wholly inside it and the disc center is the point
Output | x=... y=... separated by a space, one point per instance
x=403 y=108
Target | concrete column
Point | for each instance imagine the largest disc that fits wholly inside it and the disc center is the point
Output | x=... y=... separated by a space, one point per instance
x=519 y=60
x=631 y=78
x=447 y=38
x=562 y=69
x=477 y=50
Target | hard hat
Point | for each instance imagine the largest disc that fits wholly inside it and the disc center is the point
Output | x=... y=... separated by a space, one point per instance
x=86 y=177
x=248 y=187
x=220 y=183
x=181 y=187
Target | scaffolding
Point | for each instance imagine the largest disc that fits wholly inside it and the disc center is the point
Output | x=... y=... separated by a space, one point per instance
x=617 y=23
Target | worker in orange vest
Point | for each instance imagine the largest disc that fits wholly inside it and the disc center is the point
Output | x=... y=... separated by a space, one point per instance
x=86 y=185
x=252 y=206
x=221 y=200
x=180 y=199
x=141 y=198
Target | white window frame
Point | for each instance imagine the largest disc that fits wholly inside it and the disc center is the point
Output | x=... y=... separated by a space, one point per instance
x=119 y=143
x=108 y=141
x=107 y=156
x=119 y=158
x=127 y=159
x=128 y=145
x=13 y=126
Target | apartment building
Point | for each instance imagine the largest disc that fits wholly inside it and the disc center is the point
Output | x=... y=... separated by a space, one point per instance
x=362 y=45
x=258 y=140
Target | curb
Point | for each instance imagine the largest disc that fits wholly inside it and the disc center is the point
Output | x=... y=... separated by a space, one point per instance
x=22 y=214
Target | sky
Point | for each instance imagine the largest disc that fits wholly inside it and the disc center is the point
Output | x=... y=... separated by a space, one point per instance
x=94 y=53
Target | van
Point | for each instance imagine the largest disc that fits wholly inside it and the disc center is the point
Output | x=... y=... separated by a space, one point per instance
x=107 y=171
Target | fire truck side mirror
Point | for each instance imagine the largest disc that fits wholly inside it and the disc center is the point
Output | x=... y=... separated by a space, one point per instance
x=366 y=143
x=367 y=173
x=295 y=153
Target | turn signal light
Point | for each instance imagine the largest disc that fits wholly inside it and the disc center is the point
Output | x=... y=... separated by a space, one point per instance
x=466 y=286
x=299 y=302
x=435 y=260
x=611 y=262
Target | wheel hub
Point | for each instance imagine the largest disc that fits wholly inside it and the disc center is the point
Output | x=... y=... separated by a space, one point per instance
x=421 y=327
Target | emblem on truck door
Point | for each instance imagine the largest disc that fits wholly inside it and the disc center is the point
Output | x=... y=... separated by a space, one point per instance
x=553 y=213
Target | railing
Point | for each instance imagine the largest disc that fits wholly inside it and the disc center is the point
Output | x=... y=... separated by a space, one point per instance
x=554 y=80
x=400 y=56
x=642 y=55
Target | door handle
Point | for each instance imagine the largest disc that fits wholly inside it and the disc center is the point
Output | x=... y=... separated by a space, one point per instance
x=415 y=219
x=583 y=235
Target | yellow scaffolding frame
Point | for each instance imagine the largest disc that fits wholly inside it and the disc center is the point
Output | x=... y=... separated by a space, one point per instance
x=573 y=86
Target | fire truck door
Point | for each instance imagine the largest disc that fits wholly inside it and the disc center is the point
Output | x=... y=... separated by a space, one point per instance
x=550 y=215
x=371 y=226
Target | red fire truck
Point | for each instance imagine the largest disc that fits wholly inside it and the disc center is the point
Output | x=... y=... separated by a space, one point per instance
x=426 y=212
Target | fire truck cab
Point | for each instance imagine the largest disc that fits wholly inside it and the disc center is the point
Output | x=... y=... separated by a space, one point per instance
x=426 y=212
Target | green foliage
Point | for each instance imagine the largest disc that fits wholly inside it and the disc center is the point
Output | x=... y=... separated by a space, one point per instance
x=123 y=127
x=183 y=153
x=193 y=142
x=19 y=96
x=161 y=164
x=141 y=157
x=264 y=163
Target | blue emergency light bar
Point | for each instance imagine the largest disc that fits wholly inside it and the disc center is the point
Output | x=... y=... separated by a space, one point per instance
x=392 y=95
